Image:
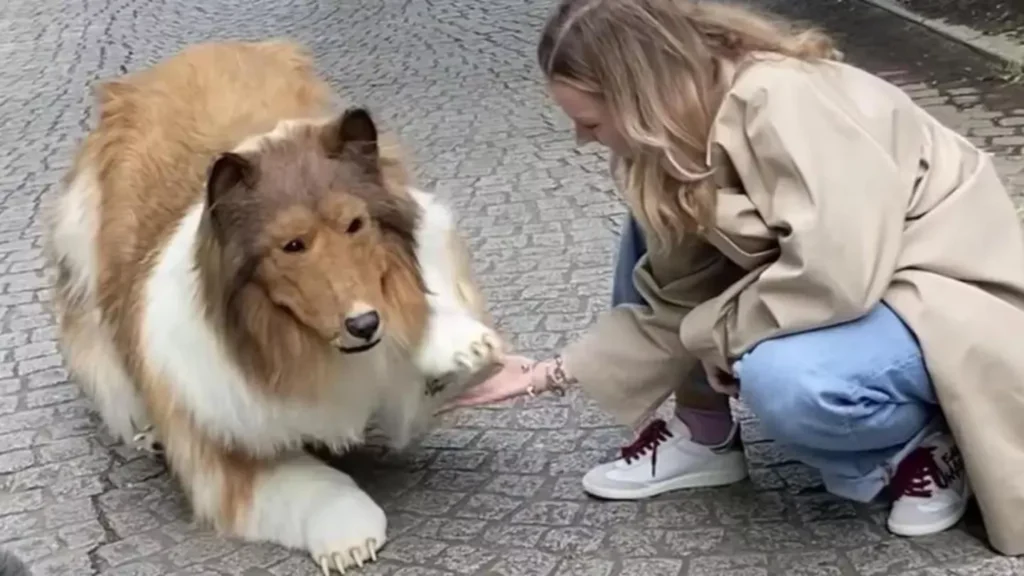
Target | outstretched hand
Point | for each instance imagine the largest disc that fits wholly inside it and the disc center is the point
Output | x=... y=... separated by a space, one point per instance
x=517 y=375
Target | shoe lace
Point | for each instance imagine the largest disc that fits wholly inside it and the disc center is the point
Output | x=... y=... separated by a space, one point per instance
x=648 y=439
x=917 y=474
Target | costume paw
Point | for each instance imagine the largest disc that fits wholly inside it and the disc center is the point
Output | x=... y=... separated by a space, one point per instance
x=147 y=441
x=347 y=531
x=457 y=346
x=352 y=557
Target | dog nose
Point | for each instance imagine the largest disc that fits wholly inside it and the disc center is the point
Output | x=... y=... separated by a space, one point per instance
x=364 y=325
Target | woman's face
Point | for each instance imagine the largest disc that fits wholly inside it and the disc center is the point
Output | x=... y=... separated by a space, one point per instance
x=590 y=116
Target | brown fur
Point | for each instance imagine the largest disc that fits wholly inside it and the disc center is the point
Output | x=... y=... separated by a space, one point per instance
x=135 y=144
x=153 y=153
x=335 y=205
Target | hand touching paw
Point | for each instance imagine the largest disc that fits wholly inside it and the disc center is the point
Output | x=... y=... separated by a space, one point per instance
x=457 y=346
x=517 y=376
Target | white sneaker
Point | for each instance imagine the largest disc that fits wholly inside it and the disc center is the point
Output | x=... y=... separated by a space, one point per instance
x=662 y=459
x=930 y=489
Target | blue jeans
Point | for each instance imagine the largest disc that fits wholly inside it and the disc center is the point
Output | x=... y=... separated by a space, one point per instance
x=849 y=400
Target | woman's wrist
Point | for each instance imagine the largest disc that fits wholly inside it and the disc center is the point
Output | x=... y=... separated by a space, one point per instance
x=550 y=376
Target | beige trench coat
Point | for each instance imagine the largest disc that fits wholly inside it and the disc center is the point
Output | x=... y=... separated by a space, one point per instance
x=836 y=192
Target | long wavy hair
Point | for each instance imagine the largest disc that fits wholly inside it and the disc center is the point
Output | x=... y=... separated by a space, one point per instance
x=663 y=67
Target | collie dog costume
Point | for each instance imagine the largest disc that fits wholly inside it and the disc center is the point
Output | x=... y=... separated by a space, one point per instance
x=242 y=271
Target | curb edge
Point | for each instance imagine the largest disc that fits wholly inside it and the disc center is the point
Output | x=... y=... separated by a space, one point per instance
x=1001 y=47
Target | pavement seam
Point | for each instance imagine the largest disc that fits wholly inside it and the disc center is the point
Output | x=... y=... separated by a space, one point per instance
x=999 y=46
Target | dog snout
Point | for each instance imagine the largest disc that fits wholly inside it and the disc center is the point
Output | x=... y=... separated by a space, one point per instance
x=363 y=326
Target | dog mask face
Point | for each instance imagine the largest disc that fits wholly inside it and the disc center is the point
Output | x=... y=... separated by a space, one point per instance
x=309 y=220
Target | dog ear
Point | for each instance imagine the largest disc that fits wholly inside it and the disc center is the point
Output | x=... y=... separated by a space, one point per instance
x=228 y=172
x=352 y=133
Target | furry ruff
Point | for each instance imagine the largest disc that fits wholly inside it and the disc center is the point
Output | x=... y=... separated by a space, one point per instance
x=242 y=269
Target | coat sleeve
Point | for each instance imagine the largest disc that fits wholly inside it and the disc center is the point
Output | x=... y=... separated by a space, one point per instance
x=824 y=178
x=631 y=358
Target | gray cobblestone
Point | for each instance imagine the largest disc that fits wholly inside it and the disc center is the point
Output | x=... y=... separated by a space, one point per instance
x=497 y=489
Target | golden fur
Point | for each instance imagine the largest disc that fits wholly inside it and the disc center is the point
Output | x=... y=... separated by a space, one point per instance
x=300 y=234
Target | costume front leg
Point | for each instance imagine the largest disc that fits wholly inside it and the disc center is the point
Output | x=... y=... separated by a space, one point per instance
x=457 y=342
x=306 y=504
x=295 y=500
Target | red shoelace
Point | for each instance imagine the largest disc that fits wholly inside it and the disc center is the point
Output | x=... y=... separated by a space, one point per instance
x=914 y=472
x=648 y=439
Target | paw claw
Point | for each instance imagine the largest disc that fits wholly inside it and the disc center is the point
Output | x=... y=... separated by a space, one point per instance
x=146 y=441
x=480 y=349
x=464 y=361
x=458 y=344
x=493 y=343
x=339 y=562
x=356 y=557
x=478 y=354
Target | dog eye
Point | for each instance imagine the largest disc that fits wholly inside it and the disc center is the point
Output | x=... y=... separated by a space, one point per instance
x=296 y=245
x=355 y=226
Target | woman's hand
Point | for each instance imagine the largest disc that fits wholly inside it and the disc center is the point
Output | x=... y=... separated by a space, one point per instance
x=720 y=380
x=519 y=375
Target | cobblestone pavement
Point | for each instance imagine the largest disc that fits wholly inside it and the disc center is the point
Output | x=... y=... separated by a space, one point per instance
x=496 y=491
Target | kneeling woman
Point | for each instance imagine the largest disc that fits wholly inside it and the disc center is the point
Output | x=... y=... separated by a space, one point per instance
x=805 y=237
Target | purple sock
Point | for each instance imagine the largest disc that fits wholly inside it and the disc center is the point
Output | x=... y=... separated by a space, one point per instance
x=707 y=427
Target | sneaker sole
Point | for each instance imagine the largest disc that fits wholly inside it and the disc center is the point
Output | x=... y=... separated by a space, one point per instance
x=916 y=530
x=689 y=481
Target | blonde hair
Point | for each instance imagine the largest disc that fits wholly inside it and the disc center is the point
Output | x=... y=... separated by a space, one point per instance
x=659 y=65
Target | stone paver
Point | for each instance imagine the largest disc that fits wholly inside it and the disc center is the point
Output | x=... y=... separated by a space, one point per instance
x=497 y=490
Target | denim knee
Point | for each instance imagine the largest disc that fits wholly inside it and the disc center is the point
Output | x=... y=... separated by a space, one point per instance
x=857 y=387
x=786 y=396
